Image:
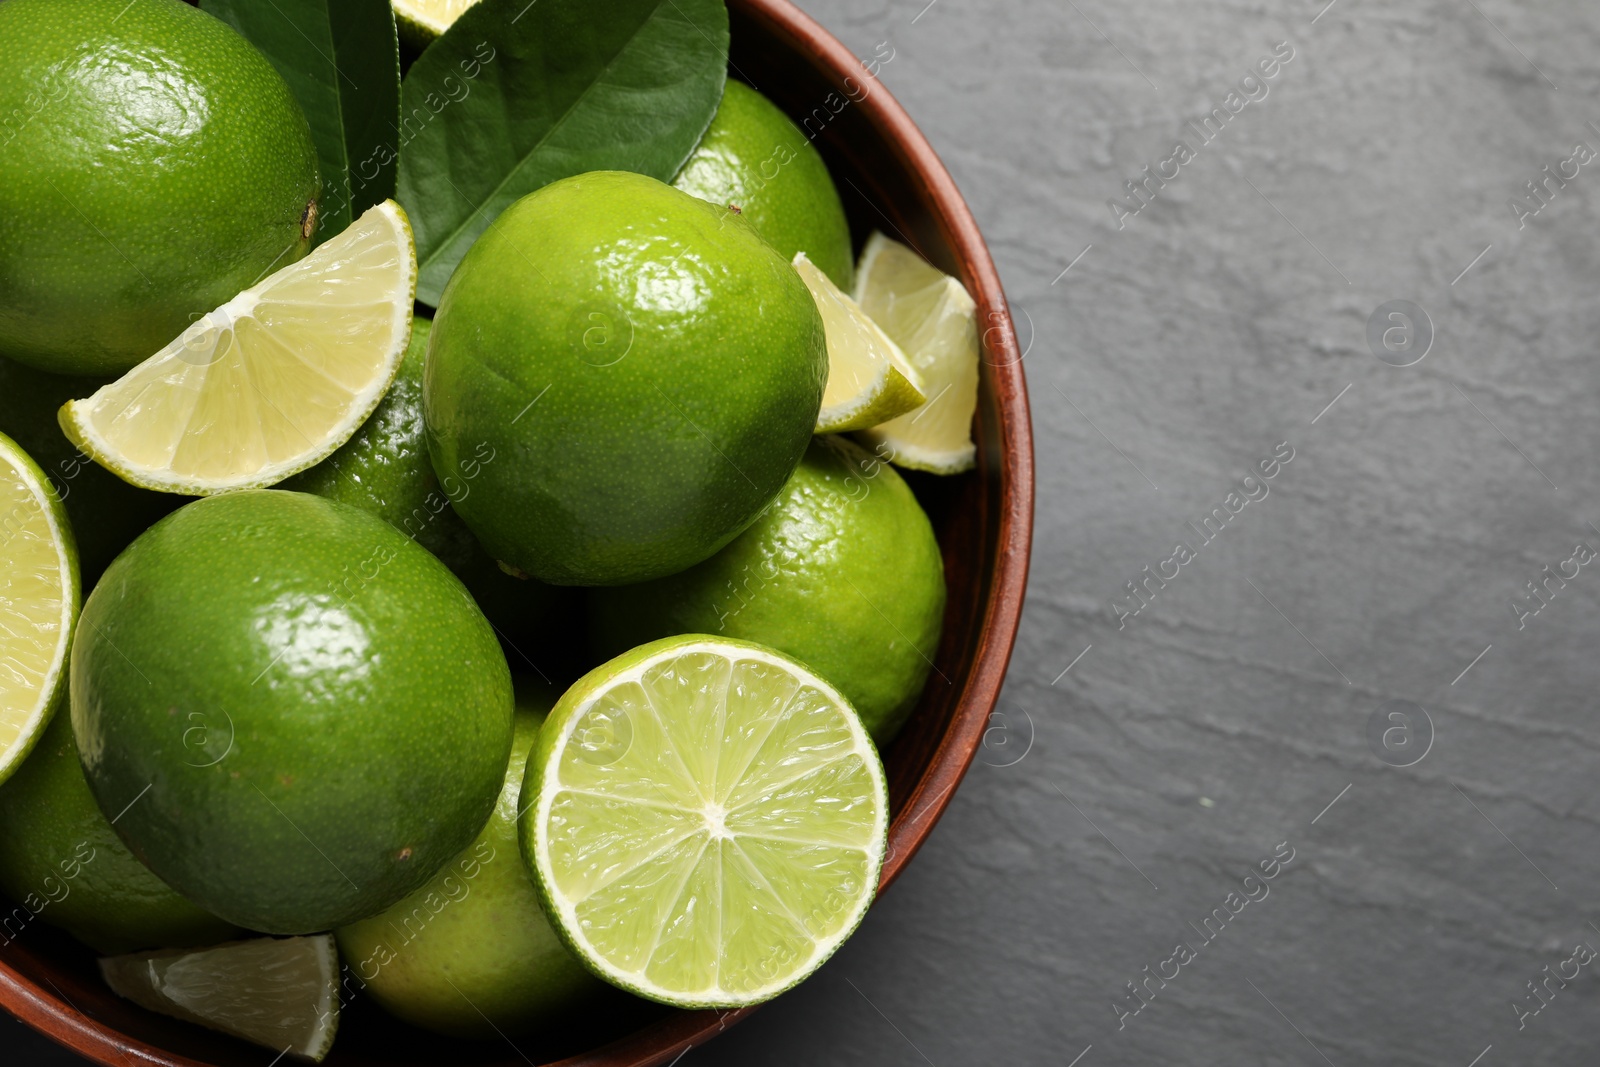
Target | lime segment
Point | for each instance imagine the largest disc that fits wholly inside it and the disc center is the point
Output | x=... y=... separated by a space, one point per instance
x=281 y=994
x=38 y=601
x=269 y=383
x=869 y=378
x=706 y=821
x=933 y=319
x=420 y=21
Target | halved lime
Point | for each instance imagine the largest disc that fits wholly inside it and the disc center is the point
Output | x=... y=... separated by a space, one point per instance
x=282 y=993
x=869 y=379
x=931 y=316
x=269 y=383
x=705 y=820
x=38 y=602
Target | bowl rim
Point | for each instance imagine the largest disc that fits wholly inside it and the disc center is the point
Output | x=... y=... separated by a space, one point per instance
x=667 y=1039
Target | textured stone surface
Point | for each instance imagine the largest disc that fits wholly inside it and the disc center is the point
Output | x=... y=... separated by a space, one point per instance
x=1209 y=730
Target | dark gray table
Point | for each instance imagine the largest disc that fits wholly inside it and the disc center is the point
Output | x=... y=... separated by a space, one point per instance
x=1120 y=802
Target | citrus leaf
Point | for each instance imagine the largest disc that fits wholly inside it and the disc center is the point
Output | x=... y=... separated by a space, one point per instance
x=516 y=95
x=342 y=62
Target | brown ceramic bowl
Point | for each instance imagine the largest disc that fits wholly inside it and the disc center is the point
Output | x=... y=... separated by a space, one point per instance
x=890 y=180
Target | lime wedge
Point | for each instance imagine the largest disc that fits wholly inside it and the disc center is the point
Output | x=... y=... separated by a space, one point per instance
x=279 y=993
x=38 y=602
x=420 y=21
x=933 y=319
x=869 y=379
x=705 y=820
x=269 y=383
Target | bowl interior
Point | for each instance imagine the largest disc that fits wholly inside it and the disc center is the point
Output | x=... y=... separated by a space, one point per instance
x=890 y=181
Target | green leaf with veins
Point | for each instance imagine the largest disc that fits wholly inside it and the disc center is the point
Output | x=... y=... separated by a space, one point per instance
x=516 y=95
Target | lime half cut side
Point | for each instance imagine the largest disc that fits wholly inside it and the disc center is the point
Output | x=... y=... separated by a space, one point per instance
x=869 y=379
x=38 y=602
x=269 y=383
x=280 y=993
x=705 y=820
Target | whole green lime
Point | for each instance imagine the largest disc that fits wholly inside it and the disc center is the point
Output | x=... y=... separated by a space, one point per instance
x=384 y=469
x=470 y=954
x=646 y=370
x=298 y=712
x=756 y=162
x=62 y=863
x=842 y=573
x=106 y=512
x=154 y=165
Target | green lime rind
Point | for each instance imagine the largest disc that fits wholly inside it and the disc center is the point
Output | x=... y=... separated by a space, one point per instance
x=155 y=165
x=755 y=160
x=843 y=573
x=646 y=370
x=62 y=862
x=37 y=540
x=384 y=469
x=558 y=734
x=471 y=954
x=298 y=713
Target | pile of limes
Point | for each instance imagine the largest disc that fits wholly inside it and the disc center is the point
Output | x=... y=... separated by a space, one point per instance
x=485 y=658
